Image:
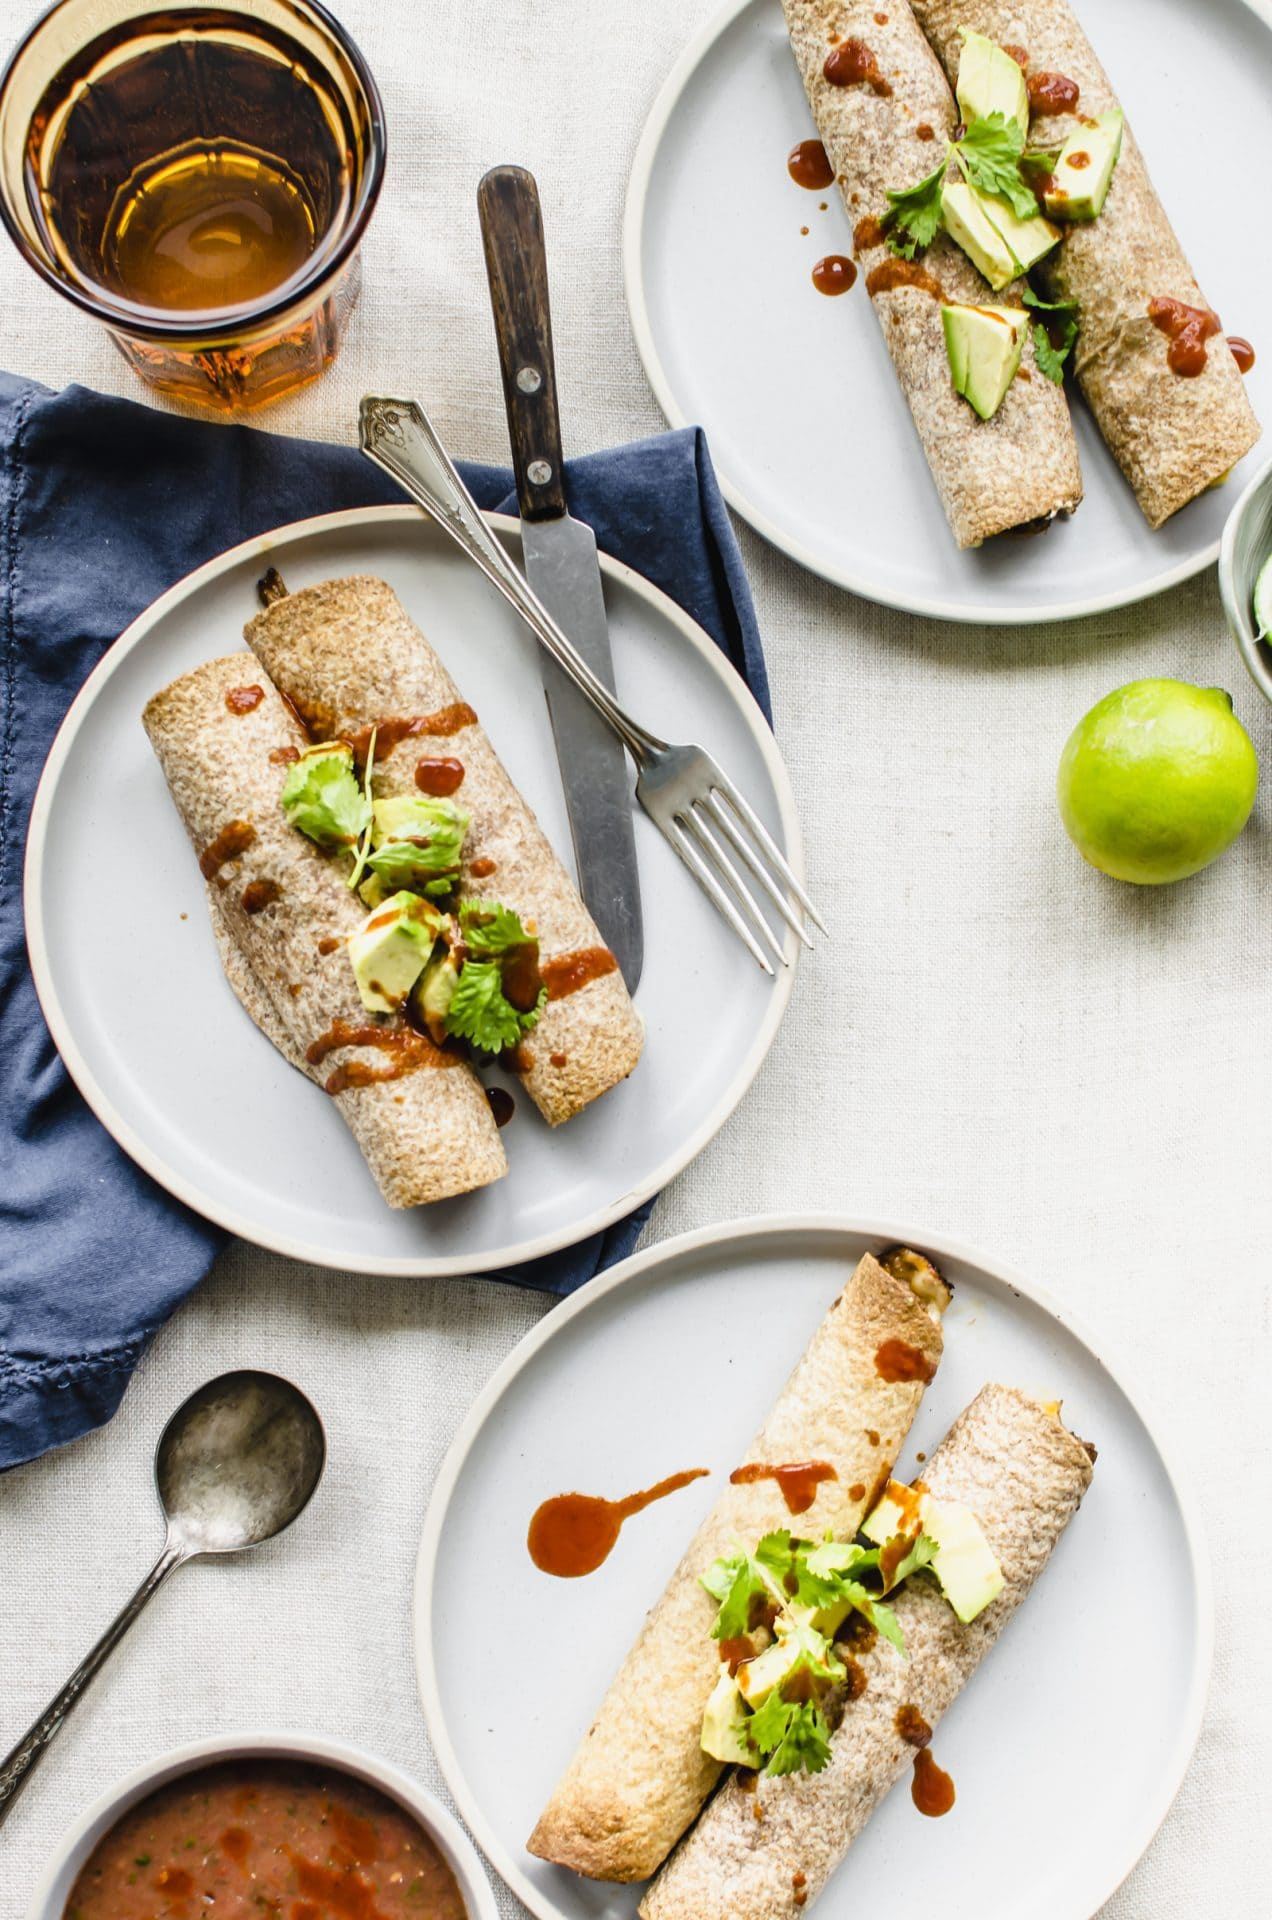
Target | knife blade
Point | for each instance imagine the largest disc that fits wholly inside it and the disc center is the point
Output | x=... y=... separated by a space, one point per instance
x=561 y=564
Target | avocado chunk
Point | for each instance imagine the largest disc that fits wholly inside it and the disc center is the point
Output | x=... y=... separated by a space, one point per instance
x=964 y=1563
x=391 y=949
x=1080 y=178
x=971 y=228
x=989 y=81
x=724 y=1725
x=994 y=238
x=760 y=1677
x=433 y=992
x=984 y=345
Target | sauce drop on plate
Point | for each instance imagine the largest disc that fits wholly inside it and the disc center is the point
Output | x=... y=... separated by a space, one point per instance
x=834 y=274
x=575 y=1533
x=1242 y=352
x=931 y=1789
x=809 y=165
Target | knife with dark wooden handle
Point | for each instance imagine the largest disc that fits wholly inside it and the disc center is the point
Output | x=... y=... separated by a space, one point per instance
x=559 y=554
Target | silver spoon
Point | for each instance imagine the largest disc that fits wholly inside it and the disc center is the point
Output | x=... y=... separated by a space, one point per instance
x=236 y=1463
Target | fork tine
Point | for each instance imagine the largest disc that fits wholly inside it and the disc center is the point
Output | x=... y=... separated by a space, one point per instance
x=739 y=840
x=750 y=818
x=714 y=891
x=698 y=822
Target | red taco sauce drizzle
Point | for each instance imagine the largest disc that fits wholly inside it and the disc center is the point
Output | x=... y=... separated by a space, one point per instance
x=1242 y=352
x=1187 y=329
x=1052 y=92
x=502 y=1105
x=234 y=838
x=852 y=63
x=809 y=166
x=574 y=1533
x=798 y=1481
x=283 y=756
x=407 y=1049
x=392 y=732
x=244 y=699
x=571 y=971
x=438 y=777
x=894 y=272
x=931 y=1789
x=834 y=274
x=482 y=869
x=259 y=894
x=897 y=1360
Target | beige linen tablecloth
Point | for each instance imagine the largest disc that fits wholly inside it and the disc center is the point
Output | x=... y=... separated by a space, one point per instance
x=1000 y=1044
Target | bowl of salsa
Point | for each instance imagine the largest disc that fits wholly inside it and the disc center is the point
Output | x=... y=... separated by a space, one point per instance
x=252 y=1826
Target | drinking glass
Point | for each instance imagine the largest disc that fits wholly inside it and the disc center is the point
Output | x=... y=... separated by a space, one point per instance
x=198 y=178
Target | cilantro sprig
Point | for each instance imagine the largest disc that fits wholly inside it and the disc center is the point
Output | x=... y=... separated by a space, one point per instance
x=480 y=1011
x=1053 y=340
x=790 y=1737
x=989 y=155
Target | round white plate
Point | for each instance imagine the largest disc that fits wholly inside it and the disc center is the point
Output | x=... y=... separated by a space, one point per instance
x=809 y=431
x=130 y=983
x=671 y=1360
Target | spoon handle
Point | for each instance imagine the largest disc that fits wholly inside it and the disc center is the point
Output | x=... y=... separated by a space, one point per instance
x=17 y=1766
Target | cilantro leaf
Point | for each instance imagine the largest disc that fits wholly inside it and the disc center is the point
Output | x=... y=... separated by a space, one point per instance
x=989 y=155
x=1031 y=299
x=491 y=930
x=888 y=1625
x=795 y=1738
x=479 y=1012
x=914 y=214
x=322 y=798
x=735 y=1582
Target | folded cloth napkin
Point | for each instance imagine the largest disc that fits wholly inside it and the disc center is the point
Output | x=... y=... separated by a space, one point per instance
x=103 y=505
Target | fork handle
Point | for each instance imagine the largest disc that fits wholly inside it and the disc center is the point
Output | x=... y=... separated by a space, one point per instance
x=399 y=437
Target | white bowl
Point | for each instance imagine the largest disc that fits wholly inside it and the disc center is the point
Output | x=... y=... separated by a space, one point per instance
x=49 y=1899
x=1246 y=544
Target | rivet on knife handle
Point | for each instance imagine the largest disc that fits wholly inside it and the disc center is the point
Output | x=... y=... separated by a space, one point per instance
x=512 y=233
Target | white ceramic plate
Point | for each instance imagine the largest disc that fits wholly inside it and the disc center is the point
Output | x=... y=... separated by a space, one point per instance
x=809 y=431
x=671 y=1360
x=156 y=1042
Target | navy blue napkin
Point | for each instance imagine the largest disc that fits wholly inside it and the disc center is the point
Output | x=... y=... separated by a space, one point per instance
x=103 y=505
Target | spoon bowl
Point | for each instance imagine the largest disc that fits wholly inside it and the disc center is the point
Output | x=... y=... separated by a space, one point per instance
x=238 y=1462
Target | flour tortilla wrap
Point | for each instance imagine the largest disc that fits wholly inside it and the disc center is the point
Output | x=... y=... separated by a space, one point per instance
x=762 y=1844
x=349 y=657
x=276 y=901
x=1172 y=435
x=640 y=1775
x=1021 y=466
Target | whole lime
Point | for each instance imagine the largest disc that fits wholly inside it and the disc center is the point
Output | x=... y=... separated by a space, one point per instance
x=1157 y=780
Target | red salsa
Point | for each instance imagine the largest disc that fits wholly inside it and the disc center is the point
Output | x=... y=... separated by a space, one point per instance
x=273 y=1837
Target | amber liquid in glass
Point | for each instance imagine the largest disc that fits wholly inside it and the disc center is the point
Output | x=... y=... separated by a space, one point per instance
x=197 y=173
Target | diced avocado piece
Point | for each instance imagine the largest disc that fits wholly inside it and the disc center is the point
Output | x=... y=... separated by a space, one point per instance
x=760 y=1677
x=1080 y=178
x=970 y=227
x=433 y=992
x=990 y=81
x=411 y=816
x=391 y=949
x=964 y=1563
x=984 y=345
x=1028 y=240
x=724 y=1725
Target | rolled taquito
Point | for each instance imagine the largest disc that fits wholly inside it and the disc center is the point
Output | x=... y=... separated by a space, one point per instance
x=282 y=913
x=765 y=1848
x=884 y=132
x=349 y=657
x=1173 y=434
x=640 y=1775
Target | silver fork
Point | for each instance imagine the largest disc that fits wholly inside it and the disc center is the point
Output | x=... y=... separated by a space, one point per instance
x=692 y=801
